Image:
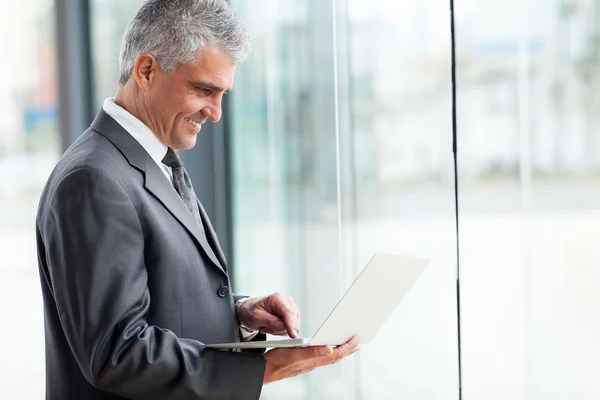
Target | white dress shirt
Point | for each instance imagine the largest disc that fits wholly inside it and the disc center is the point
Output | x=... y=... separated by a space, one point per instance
x=157 y=151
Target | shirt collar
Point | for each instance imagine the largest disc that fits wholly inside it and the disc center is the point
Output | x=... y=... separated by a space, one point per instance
x=136 y=128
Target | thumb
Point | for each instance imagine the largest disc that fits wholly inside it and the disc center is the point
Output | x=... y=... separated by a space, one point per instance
x=320 y=351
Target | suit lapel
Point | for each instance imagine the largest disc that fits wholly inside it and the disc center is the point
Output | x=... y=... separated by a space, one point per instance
x=157 y=184
x=211 y=235
x=155 y=181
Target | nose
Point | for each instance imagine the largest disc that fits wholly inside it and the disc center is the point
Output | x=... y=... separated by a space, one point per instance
x=213 y=112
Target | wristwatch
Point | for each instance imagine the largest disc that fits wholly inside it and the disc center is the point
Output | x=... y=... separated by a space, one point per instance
x=238 y=304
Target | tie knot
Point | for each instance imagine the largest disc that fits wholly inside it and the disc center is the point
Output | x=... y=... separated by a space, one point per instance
x=172 y=159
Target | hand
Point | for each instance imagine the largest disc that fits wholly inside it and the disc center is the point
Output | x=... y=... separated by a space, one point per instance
x=274 y=314
x=288 y=362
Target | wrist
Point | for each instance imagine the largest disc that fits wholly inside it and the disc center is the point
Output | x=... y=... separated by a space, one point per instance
x=238 y=310
x=268 y=374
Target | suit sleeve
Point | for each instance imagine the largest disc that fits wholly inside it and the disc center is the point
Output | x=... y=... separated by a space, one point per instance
x=237 y=297
x=95 y=254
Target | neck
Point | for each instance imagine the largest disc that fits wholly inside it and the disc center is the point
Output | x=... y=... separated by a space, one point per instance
x=127 y=99
x=130 y=98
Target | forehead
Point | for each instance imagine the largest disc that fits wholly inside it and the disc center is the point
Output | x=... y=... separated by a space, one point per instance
x=213 y=66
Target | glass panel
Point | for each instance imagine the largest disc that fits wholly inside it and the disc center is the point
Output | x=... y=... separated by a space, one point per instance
x=342 y=147
x=284 y=159
x=398 y=184
x=109 y=18
x=29 y=148
x=529 y=161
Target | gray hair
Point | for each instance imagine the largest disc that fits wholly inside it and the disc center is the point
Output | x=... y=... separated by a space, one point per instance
x=174 y=30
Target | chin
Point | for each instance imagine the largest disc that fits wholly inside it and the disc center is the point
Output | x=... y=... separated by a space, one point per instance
x=184 y=139
x=188 y=143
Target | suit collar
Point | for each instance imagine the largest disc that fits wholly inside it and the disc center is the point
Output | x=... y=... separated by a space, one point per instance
x=154 y=179
x=133 y=152
x=136 y=128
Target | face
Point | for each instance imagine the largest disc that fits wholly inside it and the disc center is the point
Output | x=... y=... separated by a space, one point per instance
x=175 y=106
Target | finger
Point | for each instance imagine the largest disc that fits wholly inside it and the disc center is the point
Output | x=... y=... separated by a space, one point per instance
x=296 y=311
x=339 y=352
x=269 y=323
x=326 y=354
x=280 y=306
x=317 y=352
x=299 y=355
x=344 y=350
x=350 y=345
x=272 y=332
x=289 y=315
x=354 y=341
x=332 y=356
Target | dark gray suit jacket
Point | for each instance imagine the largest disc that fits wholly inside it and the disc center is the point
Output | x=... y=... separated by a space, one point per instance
x=131 y=287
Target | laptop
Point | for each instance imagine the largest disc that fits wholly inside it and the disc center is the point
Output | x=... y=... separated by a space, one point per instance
x=364 y=308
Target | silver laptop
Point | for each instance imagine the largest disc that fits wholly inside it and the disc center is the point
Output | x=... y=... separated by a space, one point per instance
x=364 y=308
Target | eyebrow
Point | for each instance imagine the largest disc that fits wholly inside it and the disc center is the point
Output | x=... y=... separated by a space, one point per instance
x=208 y=85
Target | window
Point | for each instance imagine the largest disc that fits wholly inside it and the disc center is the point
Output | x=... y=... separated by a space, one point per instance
x=529 y=198
x=109 y=18
x=29 y=148
x=342 y=146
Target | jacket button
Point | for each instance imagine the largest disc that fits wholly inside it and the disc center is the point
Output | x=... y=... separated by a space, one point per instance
x=223 y=291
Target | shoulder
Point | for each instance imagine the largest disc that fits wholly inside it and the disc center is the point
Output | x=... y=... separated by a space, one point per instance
x=92 y=154
x=92 y=168
x=94 y=151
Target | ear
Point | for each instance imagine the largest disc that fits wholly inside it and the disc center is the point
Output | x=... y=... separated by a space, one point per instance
x=145 y=70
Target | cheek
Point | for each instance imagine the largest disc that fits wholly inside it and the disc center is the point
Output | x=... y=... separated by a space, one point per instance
x=177 y=108
x=193 y=104
x=165 y=106
x=175 y=97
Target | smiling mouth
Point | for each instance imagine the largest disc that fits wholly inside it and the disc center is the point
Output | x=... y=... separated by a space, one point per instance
x=193 y=122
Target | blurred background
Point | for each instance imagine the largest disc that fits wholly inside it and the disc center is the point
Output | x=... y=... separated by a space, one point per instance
x=337 y=143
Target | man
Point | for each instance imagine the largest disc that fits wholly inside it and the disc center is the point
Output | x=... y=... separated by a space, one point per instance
x=133 y=277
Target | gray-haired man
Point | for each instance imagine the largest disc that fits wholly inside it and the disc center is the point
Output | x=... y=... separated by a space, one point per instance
x=133 y=278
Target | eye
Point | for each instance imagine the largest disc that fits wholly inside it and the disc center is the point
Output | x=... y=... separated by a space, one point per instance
x=206 y=91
